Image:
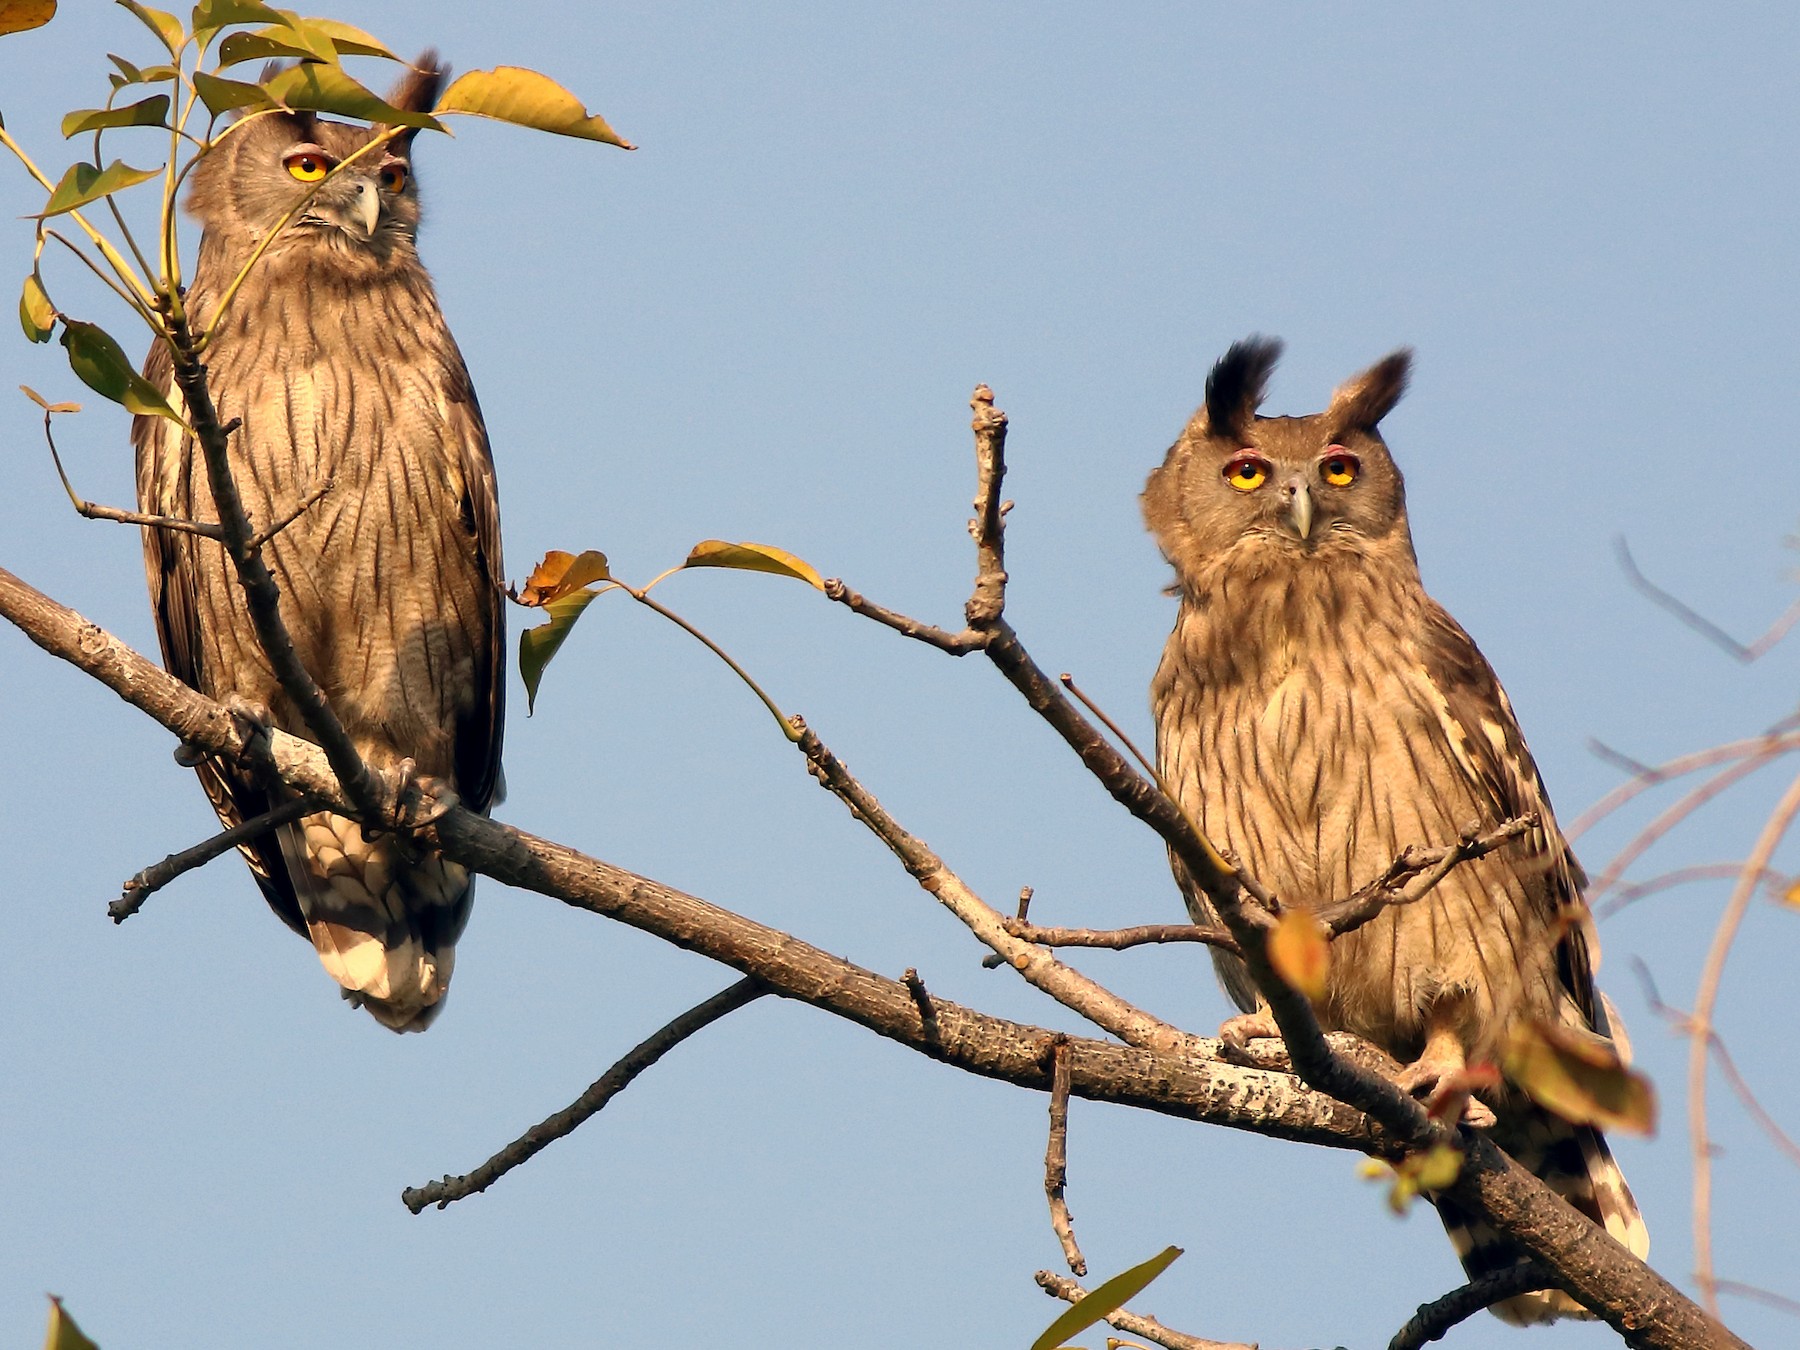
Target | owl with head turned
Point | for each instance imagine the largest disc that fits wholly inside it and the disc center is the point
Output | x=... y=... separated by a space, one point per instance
x=332 y=364
x=1317 y=713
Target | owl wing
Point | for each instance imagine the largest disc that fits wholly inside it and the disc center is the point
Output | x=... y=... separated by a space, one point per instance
x=1485 y=736
x=479 y=733
x=169 y=567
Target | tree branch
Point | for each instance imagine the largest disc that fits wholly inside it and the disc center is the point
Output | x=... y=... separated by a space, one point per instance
x=1056 y=1160
x=1061 y=1286
x=610 y=1084
x=153 y=878
x=1437 y=1317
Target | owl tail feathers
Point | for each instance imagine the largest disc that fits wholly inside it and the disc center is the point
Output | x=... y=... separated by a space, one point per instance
x=1574 y=1161
x=383 y=922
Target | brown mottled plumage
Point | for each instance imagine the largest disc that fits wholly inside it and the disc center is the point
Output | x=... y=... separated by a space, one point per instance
x=335 y=357
x=1317 y=712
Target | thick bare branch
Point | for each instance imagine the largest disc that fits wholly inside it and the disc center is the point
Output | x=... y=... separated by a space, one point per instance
x=609 y=1085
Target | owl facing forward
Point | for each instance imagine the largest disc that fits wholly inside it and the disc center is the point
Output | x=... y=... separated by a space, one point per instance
x=336 y=365
x=1317 y=712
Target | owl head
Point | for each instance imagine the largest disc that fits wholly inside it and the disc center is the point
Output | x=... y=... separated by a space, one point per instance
x=367 y=213
x=1295 y=489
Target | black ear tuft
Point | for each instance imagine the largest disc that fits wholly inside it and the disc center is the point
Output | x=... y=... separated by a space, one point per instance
x=1363 y=400
x=417 y=91
x=1237 y=384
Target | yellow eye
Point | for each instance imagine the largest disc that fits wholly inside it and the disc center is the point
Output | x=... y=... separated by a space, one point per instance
x=309 y=166
x=1339 y=467
x=393 y=176
x=1246 y=473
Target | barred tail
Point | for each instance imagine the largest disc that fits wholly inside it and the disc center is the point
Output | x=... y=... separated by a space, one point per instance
x=1574 y=1161
x=383 y=920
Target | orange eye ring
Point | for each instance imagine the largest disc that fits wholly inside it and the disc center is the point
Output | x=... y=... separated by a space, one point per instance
x=392 y=176
x=309 y=166
x=1339 y=468
x=1246 y=472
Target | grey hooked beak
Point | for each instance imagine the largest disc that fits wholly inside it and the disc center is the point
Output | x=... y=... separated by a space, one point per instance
x=365 y=206
x=1298 y=503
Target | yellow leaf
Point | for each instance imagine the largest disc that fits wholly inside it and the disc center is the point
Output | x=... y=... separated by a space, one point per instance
x=1299 y=952
x=1579 y=1077
x=20 y=16
x=560 y=573
x=753 y=558
x=1437 y=1167
x=63 y=1333
x=1792 y=894
x=527 y=99
x=1105 y=1299
x=316 y=87
x=37 y=315
x=45 y=403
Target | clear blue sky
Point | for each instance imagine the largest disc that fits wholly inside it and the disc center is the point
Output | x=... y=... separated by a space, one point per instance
x=765 y=324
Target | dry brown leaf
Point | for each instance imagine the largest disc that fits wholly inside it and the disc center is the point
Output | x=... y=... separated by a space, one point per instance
x=560 y=573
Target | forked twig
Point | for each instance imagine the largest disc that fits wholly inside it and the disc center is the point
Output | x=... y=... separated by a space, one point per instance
x=609 y=1085
x=1699 y=622
x=1061 y=1286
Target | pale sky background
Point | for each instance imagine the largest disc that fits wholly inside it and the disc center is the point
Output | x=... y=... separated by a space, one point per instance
x=765 y=325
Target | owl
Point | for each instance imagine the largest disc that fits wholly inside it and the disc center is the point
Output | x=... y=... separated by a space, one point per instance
x=336 y=365
x=1317 y=712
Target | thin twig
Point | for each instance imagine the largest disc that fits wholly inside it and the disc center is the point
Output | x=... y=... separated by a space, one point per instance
x=1699 y=622
x=1426 y=867
x=1123 y=939
x=95 y=511
x=1437 y=1317
x=1680 y=876
x=609 y=1085
x=1683 y=1024
x=1056 y=1158
x=1061 y=1286
x=1706 y=999
x=301 y=507
x=957 y=644
x=1068 y=682
x=1758 y=1295
x=1776 y=740
x=153 y=878
x=1672 y=816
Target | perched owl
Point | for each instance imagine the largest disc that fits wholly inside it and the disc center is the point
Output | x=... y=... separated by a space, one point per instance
x=1317 y=712
x=335 y=360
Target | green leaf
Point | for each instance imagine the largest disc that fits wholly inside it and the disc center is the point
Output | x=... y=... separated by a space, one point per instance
x=538 y=645
x=37 y=316
x=63 y=1333
x=259 y=46
x=222 y=95
x=149 y=112
x=83 y=183
x=322 y=88
x=103 y=367
x=46 y=404
x=527 y=99
x=212 y=15
x=348 y=41
x=1578 y=1076
x=21 y=16
x=752 y=558
x=314 y=40
x=131 y=73
x=1106 y=1299
x=165 y=26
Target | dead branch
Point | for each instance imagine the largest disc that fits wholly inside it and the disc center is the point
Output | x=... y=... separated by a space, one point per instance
x=1777 y=740
x=1425 y=867
x=1056 y=1160
x=1123 y=939
x=1061 y=1286
x=610 y=1084
x=153 y=878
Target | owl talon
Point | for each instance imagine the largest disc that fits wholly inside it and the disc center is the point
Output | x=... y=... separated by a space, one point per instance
x=1236 y=1033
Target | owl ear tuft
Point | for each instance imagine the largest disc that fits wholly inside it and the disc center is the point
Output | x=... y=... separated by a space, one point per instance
x=417 y=91
x=1235 y=389
x=1363 y=400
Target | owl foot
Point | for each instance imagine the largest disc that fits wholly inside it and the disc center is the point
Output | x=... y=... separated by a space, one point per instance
x=1236 y=1033
x=1448 y=1087
x=252 y=720
x=424 y=799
